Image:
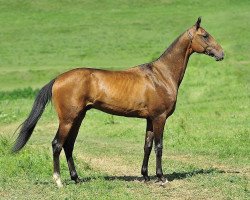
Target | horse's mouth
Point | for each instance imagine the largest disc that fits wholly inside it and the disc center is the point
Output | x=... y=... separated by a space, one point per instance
x=215 y=56
x=218 y=58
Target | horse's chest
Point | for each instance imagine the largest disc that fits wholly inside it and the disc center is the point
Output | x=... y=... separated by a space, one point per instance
x=162 y=101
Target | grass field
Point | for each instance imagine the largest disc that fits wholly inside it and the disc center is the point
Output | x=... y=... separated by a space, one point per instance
x=206 y=141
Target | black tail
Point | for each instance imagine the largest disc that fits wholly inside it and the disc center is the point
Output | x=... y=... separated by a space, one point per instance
x=42 y=98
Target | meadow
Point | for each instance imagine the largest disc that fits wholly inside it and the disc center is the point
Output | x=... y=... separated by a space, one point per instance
x=206 y=141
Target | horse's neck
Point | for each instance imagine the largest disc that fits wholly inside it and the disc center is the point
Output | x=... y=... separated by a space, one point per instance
x=173 y=62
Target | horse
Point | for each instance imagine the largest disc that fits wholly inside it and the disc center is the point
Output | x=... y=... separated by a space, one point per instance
x=147 y=91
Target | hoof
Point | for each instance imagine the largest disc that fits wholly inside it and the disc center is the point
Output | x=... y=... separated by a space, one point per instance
x=77 y=180
x=164 y=183
x=161 y=181
x=146 y=179
x=59 y=184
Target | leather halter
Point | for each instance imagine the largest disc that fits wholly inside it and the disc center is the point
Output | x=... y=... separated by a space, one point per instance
x=206 y=51
x=190 y=36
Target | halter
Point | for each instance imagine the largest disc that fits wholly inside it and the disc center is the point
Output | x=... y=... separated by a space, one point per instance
x=190 y=36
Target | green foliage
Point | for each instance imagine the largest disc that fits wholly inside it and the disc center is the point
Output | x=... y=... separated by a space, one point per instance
x=18 y=94
x=4 y=145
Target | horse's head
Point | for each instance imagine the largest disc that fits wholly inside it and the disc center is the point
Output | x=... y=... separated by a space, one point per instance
x=203 y=42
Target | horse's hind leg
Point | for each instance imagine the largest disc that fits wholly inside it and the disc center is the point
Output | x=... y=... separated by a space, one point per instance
x=65 y=138
x=56 y=148
x=57 y=144
x=69 y=147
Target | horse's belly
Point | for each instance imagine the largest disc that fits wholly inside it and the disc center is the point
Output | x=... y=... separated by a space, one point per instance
x=119 y=94
x=122 y=109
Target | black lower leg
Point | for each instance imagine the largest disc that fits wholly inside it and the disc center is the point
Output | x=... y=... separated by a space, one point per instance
x=68 y=149
x=144 y=169
x=73 y=173
x=158 y=152
x=56 y=147
x=147 y=150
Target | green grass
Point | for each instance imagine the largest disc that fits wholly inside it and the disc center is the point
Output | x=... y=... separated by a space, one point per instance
x=206 y=141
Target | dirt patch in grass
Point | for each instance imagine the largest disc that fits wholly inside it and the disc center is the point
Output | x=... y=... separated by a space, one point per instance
x=114 y=165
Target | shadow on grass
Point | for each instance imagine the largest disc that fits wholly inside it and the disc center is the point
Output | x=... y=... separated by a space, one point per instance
x=170 y=177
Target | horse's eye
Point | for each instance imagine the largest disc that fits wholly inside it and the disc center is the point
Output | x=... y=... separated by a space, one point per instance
x=205 y=36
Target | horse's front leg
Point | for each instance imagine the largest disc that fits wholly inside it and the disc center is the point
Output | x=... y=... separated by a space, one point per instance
x=147 y=149
x=158 y=128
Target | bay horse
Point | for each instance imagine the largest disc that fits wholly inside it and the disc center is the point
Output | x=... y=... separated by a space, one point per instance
x=146 y=91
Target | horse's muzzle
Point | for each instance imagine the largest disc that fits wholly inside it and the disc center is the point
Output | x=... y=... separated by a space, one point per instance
x=218 y=55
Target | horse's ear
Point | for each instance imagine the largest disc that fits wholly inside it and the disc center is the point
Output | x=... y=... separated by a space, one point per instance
x=197 y=24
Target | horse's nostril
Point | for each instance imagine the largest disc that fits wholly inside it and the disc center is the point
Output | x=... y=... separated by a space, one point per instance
x=211 y=53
